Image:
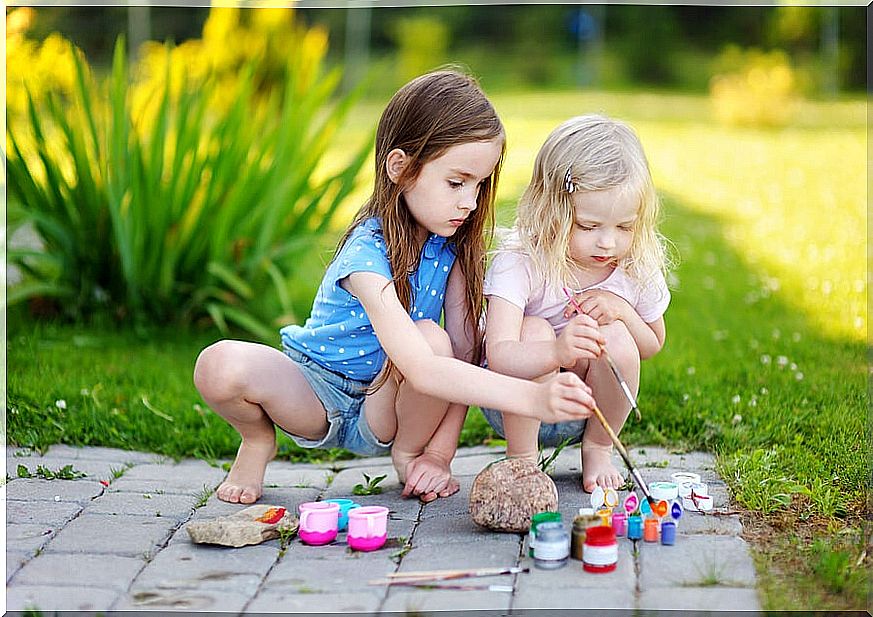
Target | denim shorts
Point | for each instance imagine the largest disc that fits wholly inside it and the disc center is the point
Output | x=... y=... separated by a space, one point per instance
x=343 y=399
x=551 y=435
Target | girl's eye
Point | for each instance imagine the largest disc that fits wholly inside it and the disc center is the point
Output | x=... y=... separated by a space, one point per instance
x=626 y=227
x=584 y=227
x=455 y=184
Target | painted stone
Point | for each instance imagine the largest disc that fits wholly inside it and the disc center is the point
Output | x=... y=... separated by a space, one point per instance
x=252 y=525
x=506 y=494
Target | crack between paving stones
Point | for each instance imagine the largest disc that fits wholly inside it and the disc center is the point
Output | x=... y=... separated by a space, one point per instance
x=635 y=553
x=400 y=561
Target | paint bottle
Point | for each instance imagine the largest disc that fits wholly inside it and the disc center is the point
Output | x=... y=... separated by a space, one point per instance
x=585 y=519
x=668 y=533
x=605 y=516
x=552 y=547
x=619 y=522
x=601 y=550
x=634 y=527
x=650 y=530
x=535 y=520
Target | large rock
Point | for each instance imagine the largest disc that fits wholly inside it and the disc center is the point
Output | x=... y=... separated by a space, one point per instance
x=251 y=525
x=507 y=493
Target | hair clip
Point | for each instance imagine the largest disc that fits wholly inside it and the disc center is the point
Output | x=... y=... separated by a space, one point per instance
x=568 y=181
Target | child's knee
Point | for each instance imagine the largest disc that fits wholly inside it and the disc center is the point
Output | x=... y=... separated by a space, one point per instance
x=436 y=337
x=621 y=345
x=218 y=371
x=536 y=329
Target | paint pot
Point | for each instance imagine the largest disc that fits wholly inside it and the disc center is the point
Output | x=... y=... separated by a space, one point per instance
x=668 y=533
x=680 y=477
x=605 y=516
x=601 y=550
x=619 y=522
x=650 y=530
x=664 y=491
x=585 y=519
x=697 y=503
x=552 y=546
x=535 y=521
x=634 y=527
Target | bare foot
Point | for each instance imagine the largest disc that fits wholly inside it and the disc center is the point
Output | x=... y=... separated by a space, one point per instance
x=597 y=468
x=401 y=461
x=246 y=478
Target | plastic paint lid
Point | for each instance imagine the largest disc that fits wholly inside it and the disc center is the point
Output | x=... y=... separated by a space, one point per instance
x=664 y=491
x=600 y=536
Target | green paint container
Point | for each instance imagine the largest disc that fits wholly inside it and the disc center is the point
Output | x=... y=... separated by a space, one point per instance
x=536 y=519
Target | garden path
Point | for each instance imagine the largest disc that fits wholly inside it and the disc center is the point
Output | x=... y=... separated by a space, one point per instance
x=120 y=544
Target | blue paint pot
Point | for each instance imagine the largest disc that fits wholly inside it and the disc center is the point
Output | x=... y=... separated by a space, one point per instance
x=345 y=505
x=668 y=533
x=634 y=527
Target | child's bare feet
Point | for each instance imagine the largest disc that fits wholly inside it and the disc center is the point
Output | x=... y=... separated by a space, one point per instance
x=246 y=478
x=401 y=460
x=597 y=467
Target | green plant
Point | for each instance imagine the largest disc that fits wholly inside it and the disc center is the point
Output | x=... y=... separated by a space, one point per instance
x=371 y=487
x=183 y=209
x=203 y=496
x=545 y=463
x=64 y=473
x=286 y=534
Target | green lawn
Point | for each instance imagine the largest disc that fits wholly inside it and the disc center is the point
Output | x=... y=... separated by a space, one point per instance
x=765 y=362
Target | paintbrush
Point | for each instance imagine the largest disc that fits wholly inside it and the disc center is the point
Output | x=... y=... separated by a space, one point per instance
x=612 y=365
x=431 y=586
x=441 y=575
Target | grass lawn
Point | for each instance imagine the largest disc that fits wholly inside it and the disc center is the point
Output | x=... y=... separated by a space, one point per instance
x=766 y=355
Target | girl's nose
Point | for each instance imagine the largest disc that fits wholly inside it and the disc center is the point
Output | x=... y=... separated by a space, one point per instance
x=606 y=240
x=468 y=200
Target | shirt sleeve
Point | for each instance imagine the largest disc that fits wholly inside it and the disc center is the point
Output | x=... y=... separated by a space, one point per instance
x=509 y=278
x=654 y=298
x=364 y=251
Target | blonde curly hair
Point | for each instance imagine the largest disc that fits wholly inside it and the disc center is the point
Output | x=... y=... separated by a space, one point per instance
x=586 y=153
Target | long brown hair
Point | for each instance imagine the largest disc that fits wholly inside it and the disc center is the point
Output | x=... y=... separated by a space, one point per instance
x=424 y=118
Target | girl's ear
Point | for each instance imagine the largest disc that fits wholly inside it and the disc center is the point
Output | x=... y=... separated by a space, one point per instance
x=395 y=163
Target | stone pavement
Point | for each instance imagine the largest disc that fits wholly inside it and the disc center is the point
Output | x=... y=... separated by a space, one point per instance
x=120 y=544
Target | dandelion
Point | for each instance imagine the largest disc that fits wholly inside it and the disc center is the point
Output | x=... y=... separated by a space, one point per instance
x=795 y=337
x=736 y=399
x=776 y=333
x=61 y=404
x=793 y=366
x=753 y=402
x=765 y=359
x=764 y=390
x=798 y=376
x=685 y=397
x=781 y=361
x=691 y=370
x=84 y=392
x=736 y=419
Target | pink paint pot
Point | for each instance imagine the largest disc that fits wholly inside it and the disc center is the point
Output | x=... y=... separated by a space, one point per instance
x=619 y=522
x=368 y=528
x=319 y=522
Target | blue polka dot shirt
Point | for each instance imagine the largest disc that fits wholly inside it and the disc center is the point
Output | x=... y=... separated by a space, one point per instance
x=338 y=334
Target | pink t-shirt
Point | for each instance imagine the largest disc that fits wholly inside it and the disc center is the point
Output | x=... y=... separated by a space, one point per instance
x=512 y=276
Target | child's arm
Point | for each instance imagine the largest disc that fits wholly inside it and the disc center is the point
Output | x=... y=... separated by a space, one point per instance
x=507 y=354
x=437 y=457
x=607 y=307
x=564 y=397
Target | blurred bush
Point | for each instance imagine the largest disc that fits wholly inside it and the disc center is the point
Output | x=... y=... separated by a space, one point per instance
x=753 y=88
x=183 y=188
x=422 y=44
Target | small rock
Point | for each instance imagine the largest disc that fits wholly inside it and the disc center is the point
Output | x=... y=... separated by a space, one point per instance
x=243 y=527
x=507 y=493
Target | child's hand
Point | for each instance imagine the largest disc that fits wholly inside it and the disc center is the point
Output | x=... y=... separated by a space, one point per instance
x=564 y=397
x=604 y=306
x=429 y=476
x=581 y=338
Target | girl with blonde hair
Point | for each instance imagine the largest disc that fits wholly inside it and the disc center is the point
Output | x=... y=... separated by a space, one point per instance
x=586 y=229
x=371 y=370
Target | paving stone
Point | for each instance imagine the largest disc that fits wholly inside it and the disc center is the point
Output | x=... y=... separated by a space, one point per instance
x=207 y=567
x=701 y=599
x=96 y=453
x=399 y=531
x=188 y=473
x=105 y=571
x=14 y=561
x=183 y=600
x=424 y=601
x=174 y=486
x=54 y=598
x=312 y=574
x=287 y=476
x=457 y=505
x=289 y=498
x=143 y=504
x=338 y=602
x=695 y=523
x=46 y=513
x=455 y=529
x=531 y=601
x=623 y=578
x=94 y=469
x=695 y=561
x=454 y=556
x=29 y=489
x=357 y=463
x=27 y=537
x=405 y=508
x=117 y=535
